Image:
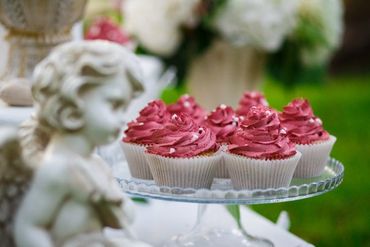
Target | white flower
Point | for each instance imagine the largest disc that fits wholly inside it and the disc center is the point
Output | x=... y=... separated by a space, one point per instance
x=156 y=23
x=328 y=16
x=259 y=23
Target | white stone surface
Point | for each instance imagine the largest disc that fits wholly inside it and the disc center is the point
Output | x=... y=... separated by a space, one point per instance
x=13 y=116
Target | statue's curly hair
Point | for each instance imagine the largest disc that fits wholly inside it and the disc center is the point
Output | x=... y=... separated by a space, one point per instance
x=61 y=77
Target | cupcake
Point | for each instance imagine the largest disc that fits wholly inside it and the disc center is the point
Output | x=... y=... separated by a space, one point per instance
x=184 y=154
x=260 y=155
x=307 y=132
x=223 y=123
x=248 y=100
x=186 y=104
x=138 y=136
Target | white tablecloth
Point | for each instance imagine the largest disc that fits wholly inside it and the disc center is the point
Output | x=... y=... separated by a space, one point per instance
x=160 y=220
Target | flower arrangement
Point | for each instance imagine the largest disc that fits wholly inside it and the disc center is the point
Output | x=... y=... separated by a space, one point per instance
x=306 y=52
x=304 y=33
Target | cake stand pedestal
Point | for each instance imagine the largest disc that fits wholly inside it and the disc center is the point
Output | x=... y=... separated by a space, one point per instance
x=221 y=192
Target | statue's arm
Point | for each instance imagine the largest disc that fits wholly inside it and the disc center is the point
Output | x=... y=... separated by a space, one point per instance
x=118 y=215
x=40 y=207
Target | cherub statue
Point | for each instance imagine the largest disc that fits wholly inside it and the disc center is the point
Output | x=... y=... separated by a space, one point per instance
x=80 y=92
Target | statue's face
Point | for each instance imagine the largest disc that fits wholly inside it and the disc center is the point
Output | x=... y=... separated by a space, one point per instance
x=105 y=106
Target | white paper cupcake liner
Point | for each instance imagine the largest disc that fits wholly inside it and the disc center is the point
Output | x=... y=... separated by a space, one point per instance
x=221 y=170
x=136 y=160
x=249 y=173
x=196 y=172
x=314 y=158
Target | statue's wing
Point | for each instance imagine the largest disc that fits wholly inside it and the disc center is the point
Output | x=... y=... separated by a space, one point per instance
x=15 y=177
x=33 y=140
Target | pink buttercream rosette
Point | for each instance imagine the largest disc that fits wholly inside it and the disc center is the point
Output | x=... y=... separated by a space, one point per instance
x=248 y=100
x=260 y=155
x=138 y=136
x=105 y=29
x=184 y=154
x=223 y=122
x=186 y=104
x=306 y=130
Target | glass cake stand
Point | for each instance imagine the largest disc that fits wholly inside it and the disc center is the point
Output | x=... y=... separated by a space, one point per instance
x=222 y=192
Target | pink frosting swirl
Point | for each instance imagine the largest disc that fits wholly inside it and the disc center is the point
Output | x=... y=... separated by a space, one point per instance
x=183 y=138
x=186 y=104
x=248 y=100
x=153 y=117
x=261 y=136
x=302 y=125
x=223 y=122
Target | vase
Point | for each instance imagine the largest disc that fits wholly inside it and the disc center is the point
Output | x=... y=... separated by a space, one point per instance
x=224 y=72
x=34 y=28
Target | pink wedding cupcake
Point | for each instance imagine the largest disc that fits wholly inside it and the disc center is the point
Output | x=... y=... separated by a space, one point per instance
x=186 y=104
x=260 y=155
x=223 y=123
x=248 y=100
x=184 y=154
x=306 y=130
x=138 y=136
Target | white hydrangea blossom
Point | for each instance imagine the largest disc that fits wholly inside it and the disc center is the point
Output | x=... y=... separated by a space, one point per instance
x=259 y=23
x=156 y=24
x=328 y=14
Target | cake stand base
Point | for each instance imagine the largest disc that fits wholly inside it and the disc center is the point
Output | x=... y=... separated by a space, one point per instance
x=200 y=235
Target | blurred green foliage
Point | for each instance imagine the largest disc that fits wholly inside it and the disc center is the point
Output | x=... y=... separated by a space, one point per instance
x=341 y=217
x=172 y=93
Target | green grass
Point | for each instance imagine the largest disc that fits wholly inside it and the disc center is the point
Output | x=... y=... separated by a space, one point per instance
x=341 y=217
